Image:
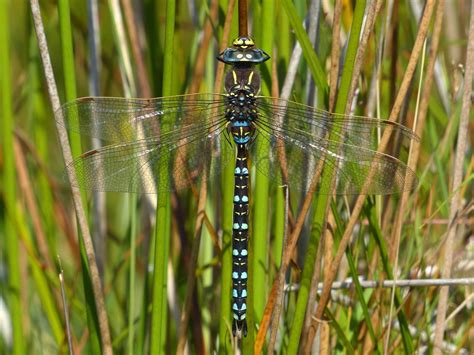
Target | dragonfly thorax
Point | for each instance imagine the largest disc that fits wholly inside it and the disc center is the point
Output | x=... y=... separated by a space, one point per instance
x=242 y=79
x=241 y=112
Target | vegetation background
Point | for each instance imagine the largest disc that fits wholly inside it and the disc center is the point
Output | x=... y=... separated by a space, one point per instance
x=408 y=64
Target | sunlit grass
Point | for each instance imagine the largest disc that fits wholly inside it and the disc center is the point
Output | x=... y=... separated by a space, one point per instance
x=37 y=222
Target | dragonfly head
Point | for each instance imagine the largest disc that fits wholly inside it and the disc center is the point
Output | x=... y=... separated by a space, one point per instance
x=243 y=51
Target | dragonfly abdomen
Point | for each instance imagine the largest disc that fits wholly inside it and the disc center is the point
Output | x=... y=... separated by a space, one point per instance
x=240 y=230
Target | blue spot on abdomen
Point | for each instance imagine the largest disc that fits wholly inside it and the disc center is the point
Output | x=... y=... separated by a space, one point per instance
x=241 y=123
x=241 y=140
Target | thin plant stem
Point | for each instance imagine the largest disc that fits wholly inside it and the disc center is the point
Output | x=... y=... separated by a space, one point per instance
x=65 y=307
x=243 y=19
x=348 y=284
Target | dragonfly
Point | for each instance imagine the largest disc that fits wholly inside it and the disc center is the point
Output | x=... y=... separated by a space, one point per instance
x=166 y=143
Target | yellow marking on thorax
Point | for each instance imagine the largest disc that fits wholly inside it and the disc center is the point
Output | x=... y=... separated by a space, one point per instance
x=250 y=78
x=234 y=75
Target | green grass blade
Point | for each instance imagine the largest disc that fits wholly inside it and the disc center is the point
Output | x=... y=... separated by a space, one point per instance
x=132 y=274
x=227 y=190
x=341 y=335
x=67 y=53
x=68 y=57
x=9 y=182
x=159 y=315
x=259 y=237
x=312 y=59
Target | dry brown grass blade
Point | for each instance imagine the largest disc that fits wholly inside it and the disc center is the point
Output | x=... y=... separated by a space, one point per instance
x=417 y=48
x=203 y=48
x=26 y=187
x=61 y=216
x=80 y=212
x=457 y=180
x=223 y=45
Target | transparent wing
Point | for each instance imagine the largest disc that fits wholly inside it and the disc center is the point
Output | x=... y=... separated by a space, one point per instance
x=172 y=161
x=120 y=119
x=360 y=131
x=298 y=137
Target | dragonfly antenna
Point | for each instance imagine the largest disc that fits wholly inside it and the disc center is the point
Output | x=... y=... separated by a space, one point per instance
x=243 y=17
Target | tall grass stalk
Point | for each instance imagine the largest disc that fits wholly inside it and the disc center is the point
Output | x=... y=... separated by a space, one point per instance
x=159 y=317
x=69 y=75
x=132 y=276
x=259 y=236
x=227 y=191
x=9 y=184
